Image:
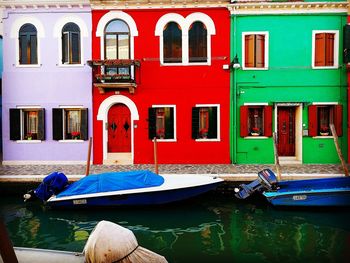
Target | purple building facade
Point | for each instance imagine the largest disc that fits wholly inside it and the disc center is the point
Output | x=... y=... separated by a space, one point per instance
x=47 y=93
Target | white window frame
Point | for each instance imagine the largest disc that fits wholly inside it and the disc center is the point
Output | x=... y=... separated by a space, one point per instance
x=336 y=49
x=57 y=33
x=16 y=26
x=24 y=108
x=185 y=24
x=266 y=62
x=64 y=109
x=218 y=125
x=168 y=106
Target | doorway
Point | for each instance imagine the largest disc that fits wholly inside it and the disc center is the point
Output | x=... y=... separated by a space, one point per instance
x=286 y=131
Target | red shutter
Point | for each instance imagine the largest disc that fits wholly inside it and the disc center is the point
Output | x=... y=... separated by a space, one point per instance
x=338 y=119
x=320 y=49
x=329 y=54
x=249 y=51
x=244 y=121
x=268 y=121
x=260 y=51
x=313 y=120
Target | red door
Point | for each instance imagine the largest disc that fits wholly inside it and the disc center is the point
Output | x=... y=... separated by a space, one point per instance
x=119 y=129
x=286 y=131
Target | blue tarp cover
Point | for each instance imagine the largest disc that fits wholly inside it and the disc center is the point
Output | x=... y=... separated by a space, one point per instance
x=113 y=181
x=52 y=184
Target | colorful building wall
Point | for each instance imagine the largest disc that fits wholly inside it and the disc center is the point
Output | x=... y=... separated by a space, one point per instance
x=288 y=81
x=179 y=86
x=49 y=84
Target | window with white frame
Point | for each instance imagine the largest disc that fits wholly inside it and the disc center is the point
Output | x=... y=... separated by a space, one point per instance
x=255 y=50
x=205 y=122
x=71 y=50
x=70 y=123
x=325 y=49
x=161 y=122
x=27 y=124
x=185 y=41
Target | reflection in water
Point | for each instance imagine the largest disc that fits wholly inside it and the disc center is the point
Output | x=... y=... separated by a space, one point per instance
x=207 y=229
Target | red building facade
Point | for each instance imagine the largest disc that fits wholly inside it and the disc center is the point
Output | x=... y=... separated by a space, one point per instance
x=161 y=73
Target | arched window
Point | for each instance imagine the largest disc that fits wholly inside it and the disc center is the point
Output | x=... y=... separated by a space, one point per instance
x=71 y=44
x=117 y=40
x=28 y=53
x=172 y=43
x=198 y=42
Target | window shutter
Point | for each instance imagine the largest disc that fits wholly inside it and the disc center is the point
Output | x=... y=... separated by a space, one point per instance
x=75 y=47
x=33 y=50
x=84 y=134
x=65 y=48
x=151 y=123
x=249 y=51
x=169 y=124
x=338 y=119
x=41 y=124
x=346 y=44
x=268 y=121
x=57 y=124
x=15 y=124
x=23 y=49
x=195 y=123
x=320 y=49
x=213 y=123
x=329 y=53
x=244 y=121
x=313 y=120
x=260 y=51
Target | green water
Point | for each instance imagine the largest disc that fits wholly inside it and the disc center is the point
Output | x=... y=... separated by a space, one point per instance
x=207 y=229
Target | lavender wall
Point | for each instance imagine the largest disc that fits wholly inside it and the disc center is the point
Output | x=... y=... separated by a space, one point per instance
x=48 y=85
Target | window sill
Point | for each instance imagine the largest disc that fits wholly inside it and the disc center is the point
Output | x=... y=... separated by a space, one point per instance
x=325 y=67
x=256 y=137
x=207 y=140
x=185 y=64
x=71 y=65
x=243 y=68
x=29 y=141
x=165 y=140
x=322 y=137
x=28 y=66
x=71 y=141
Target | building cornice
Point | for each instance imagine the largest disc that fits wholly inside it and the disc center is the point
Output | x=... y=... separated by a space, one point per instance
x=46 y=4
x=252 y=8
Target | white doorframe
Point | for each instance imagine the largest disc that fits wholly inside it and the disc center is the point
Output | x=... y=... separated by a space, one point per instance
x=103 y=116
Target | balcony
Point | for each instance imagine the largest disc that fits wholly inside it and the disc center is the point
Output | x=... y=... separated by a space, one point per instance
x=115 y=74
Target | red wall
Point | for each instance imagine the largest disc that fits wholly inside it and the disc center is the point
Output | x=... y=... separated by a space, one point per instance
x=183 y=86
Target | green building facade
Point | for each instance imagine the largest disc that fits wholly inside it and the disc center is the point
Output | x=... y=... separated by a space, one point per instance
x=288 y=78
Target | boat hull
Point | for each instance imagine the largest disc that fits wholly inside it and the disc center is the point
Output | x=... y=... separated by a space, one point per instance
x=141 y=198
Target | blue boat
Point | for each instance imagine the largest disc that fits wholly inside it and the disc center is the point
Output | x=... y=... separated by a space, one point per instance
x=311 y=192
x=122 y=189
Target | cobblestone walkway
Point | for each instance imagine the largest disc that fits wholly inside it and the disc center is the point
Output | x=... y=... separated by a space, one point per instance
x=169 y=168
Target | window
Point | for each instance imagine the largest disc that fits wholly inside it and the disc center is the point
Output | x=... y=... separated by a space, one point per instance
x=27 y=124
x=255 y=50
x=325 y=51
x=71 y=44
x=198 y=42
x=117 y=45
x=256 y=120
x=70 y=123
x=172 y=37
x=161 y=123
x=205 y=122
x=28 y=53
x=320 y=118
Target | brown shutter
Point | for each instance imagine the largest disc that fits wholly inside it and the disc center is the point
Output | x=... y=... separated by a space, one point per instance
x=195 y=123
x=329 y=53
x=57 y=124
x=249 y=51
x=15 y=124
x=260 y=51
x=244 y=121
x=41 y=124
x=313 y=120
x=338 y=119
x=320 y=49
x=268 y=121
x=151 y=123
x=84 y=131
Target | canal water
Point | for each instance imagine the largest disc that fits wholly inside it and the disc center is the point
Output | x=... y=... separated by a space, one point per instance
x=211 y=228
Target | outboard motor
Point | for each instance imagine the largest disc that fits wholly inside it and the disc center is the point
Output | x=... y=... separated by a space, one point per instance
x=266 y=181
x=52 y=184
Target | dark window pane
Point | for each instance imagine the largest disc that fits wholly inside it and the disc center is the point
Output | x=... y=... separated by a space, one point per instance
x=255 y=121
x=71 y=43
x=23 y=58
x=28 y=44
x=172 y=43
x=198 y=42
x=33 y=50
x=75 y=45
x=323 y=116
x=65 y=48
x=71 y=27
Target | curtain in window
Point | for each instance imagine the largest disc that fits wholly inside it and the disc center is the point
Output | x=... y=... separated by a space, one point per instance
x=28 y=44
x=31 y=121
x=172 y=43
x=198 y=42
x=324 y=49
x=255 y=120
x=73 y=120
x=71 y=44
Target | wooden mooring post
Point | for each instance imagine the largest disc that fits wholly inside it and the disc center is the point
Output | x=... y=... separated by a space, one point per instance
x=87 y=171
x=277 y=162
x=6 y=249
x=155 y=155
x=337 y=147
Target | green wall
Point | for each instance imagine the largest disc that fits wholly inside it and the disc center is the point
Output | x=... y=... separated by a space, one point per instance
x=289 y=78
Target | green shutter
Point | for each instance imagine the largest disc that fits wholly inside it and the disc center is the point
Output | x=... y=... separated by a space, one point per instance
x=15 y=124
x=151 y=123
x=195 y=123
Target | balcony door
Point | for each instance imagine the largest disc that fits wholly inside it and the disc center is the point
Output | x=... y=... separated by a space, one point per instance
x=119 y=129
